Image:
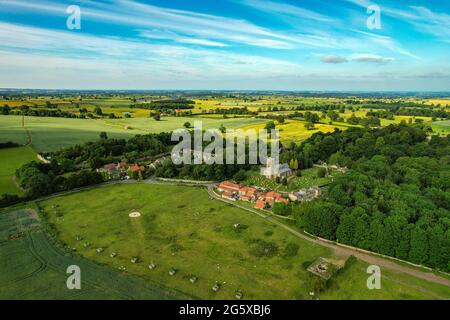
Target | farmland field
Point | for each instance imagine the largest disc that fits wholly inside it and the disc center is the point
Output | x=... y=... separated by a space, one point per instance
x=294 y=130
x=205 y=245
x=33 y=267
x=441 y=126
x=10 y=160
x=50 y=134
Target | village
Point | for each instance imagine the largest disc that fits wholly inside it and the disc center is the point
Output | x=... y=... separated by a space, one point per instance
x=262 y=198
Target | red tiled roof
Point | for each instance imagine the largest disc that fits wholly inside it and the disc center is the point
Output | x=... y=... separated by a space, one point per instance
x=282 y=200
x=247 y=189
x=135 y=168
x=230 y=184
x=227 y=195
x=273 y=194
x=260 y=204
x=226 y=189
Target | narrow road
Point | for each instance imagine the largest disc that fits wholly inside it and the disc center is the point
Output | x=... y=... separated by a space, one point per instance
x=343 y=251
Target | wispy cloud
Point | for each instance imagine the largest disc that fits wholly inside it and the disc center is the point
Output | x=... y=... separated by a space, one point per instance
x=421 y=18
x=139 y=15
x=286 y=10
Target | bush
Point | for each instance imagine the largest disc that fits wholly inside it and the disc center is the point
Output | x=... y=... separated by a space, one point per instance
x=261 y=248
x=321 y=172
x=291 y=249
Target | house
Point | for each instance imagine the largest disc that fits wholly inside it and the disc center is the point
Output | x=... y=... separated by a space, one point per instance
x=305 y=194
x=228 y=195
x=260 y=204
x=283 y=200
x=274 y=170
x=111 y=171
x=247 y=191
x=228 y=186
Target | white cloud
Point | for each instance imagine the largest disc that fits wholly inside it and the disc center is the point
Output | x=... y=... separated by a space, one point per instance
x=371 y=58
x=333 y=59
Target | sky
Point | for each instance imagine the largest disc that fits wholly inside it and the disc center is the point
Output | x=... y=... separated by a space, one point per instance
x=323 y=45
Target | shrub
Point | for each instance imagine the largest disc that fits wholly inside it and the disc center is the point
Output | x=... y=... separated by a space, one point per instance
x=291 y=249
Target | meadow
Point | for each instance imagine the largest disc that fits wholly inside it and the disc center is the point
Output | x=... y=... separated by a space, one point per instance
x=199 y=239
x=10 y=160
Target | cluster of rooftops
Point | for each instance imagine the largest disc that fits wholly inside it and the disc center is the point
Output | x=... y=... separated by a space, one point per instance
x=262 y=200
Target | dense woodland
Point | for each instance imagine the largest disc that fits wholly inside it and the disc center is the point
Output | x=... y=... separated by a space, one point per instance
x=395 y=199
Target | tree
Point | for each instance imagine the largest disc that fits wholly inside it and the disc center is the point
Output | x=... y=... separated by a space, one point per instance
x=157 y=117
x=322 y=218
x=270 y=125
x=98 y=111
x=419 y=246
x=282 y=209
x=280 y=119
x=187 y=125
x=103 y=135
x=222 y=128
x=309 y=126
x=241 y=175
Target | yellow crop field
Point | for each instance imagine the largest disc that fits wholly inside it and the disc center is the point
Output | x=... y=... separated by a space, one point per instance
x=295 y=131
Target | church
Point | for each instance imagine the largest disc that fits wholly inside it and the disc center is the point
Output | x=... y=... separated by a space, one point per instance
x=273 y=170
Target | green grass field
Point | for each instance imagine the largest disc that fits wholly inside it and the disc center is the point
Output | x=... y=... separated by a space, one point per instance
x=442 y=127
x=34 y=267
x=197 y=238
x=10 y=160
x=51 y=134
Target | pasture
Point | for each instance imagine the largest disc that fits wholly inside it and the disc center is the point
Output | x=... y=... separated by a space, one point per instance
x=10 y=160
x=186 y=239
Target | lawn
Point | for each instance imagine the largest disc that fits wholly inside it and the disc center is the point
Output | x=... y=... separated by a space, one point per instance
x=198 y=238
x=50 y=134
x=10 y=160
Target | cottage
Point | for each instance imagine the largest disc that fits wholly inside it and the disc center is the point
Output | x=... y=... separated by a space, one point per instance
x=260 y=204
x=228 y=186
x=228 y=195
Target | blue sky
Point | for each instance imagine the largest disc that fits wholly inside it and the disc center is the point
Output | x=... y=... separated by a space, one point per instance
x=226 y=44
